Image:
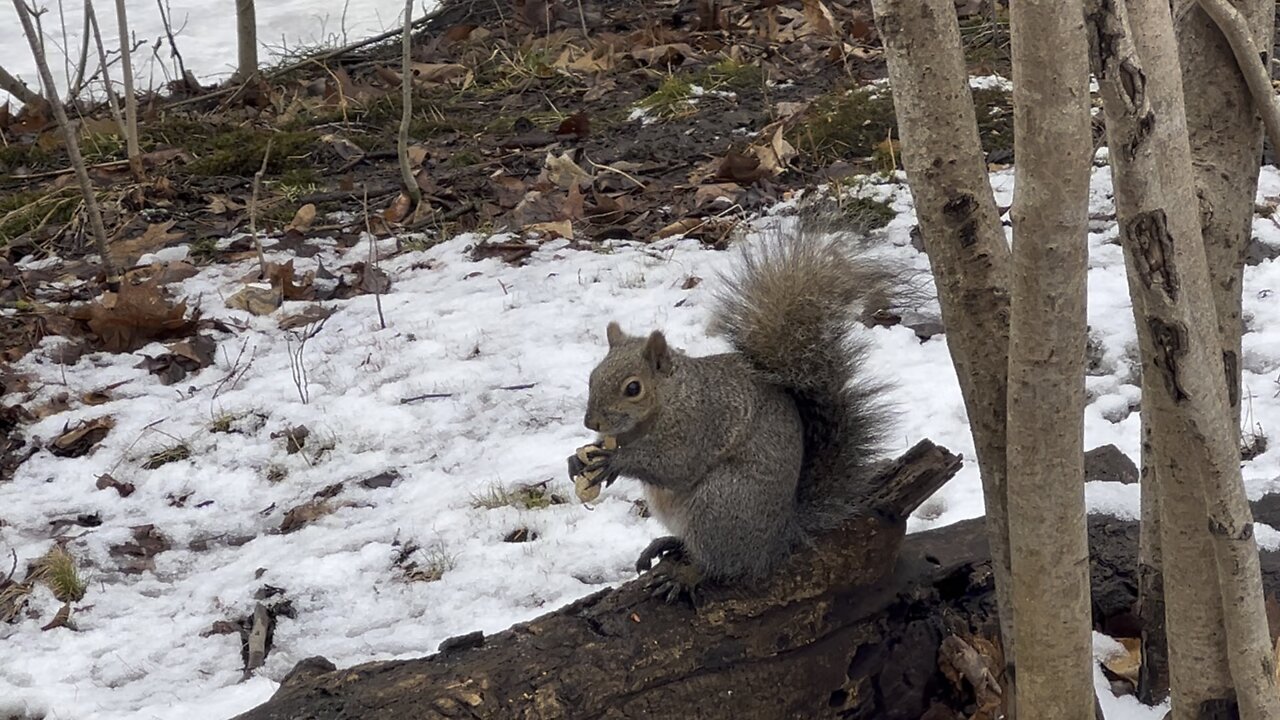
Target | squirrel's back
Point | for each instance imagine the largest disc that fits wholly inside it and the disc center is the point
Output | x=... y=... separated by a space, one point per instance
x=789 y=308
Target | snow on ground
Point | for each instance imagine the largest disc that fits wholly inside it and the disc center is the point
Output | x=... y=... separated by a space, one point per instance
x=205 y=33
x=466 y=329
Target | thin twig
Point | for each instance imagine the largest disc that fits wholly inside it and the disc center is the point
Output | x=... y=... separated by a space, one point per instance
x=253 y=209
x=406 y=110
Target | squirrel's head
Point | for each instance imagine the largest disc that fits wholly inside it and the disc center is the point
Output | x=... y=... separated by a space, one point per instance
x=626 y=386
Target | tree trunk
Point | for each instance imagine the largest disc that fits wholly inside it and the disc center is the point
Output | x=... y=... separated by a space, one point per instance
x=1047 y=337
x=962 y=233
x=1193 y=434
x=1225 y=134
x=246 y=40
x=1193 y=608
x=130 y=98
x=69 y=136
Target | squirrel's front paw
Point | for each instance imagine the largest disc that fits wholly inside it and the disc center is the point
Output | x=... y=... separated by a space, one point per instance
x=674 y=580
x=663 y=548
x=589 y=468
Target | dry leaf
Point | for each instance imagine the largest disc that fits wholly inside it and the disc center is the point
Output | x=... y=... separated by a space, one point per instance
x=1127 y=663
x=429 y=74
x=562 y=171
x=288 y=285
x=126 y=252
x=558 y=228
x=129 y=319
x=77 y=441
x=820 y=18
x=302 y=219
x=308 y=315
x=256 y=300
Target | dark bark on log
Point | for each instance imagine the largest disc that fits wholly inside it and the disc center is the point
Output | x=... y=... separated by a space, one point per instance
x=816 y=643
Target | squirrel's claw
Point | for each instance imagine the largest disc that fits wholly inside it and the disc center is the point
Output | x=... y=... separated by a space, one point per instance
x=592 y=462
x=673 y=580
x=660 y=549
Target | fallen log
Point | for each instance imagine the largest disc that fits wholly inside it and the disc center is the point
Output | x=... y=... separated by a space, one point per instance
x=782 y=650
x=851 y=629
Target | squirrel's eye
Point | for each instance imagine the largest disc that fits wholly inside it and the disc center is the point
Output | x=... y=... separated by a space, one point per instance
x=632 y=389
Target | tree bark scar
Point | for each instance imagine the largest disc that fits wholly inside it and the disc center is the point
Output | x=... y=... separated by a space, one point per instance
x=1229 y=362
x=1220 y=709
x=1218 y=529
x=959 y=211
x=1153 y=252
x=1170 y=340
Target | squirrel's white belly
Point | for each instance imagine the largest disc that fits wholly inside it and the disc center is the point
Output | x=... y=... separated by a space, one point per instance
x=664 y=505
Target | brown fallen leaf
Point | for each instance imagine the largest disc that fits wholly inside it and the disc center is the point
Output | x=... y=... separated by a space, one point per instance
x=310 y=511
x=106 y=481
x=308 y=315
x=126 y=320
x=138 y=556
x=290 y=286
x=555 y=229
x=79 y=440
x=157 y=235
x=1127 y=662
x=255 y=300
x=302 y=219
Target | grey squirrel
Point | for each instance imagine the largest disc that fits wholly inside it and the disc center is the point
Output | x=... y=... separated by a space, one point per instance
x=746 y=455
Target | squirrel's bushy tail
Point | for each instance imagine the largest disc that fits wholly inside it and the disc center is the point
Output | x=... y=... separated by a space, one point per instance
x=789 y=307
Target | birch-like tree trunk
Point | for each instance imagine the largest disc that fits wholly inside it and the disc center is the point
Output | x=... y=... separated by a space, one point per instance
x=1048 y=537
x=130 y=97
x=246 y=40
x=963 y=237
x=1214 y=656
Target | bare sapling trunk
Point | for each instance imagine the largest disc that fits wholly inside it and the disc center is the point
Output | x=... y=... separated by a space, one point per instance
x=1153 y=674
x=82 y=64
x=1048 y=537
x=113 y=101
x=69 y=137
x=1226 y=146
x=1193 y=607
x=1194 y=437
x=406 y=110
x=970 y=258
x=246 y=40
x=17 y=88
x=130 y=97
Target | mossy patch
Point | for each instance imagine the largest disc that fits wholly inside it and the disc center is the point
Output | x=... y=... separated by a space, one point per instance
x=239 y=152
x=855 y=125
x=845 y=124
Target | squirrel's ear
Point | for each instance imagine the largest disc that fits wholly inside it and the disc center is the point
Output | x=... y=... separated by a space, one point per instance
x=656 y=352
x=614 y=333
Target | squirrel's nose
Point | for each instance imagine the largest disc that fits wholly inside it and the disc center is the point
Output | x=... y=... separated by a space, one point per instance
x=591 y=422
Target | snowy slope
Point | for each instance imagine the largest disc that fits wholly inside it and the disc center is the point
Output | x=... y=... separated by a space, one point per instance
x=205 y=33
x=467 y=329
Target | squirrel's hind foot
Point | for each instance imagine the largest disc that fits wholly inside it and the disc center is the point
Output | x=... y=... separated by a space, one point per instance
x=674 y=580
